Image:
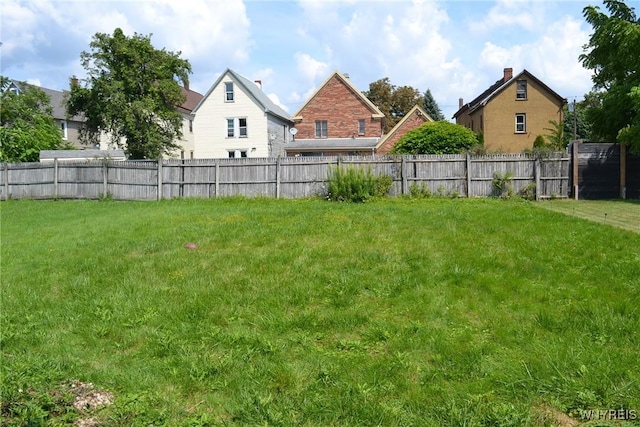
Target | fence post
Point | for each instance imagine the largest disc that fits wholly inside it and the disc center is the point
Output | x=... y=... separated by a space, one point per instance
x=160 y=179
x=403 y=175
x=278 y=178
x=575 y=159
x=55 y=178
x=537 y=177
x=6 y=181
x=468 y=171
x=623 y=171
x=217 y=162
x=105 y=175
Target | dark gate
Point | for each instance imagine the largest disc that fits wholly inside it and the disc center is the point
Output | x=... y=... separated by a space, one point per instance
x=599 y=171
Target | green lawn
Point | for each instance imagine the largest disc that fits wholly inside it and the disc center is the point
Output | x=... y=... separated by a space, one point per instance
x=431 y=312
x=618 y=213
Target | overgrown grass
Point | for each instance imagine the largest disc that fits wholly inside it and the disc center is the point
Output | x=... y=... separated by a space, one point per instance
x=397 y=312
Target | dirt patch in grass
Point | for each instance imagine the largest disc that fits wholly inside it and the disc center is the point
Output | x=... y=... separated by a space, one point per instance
x=546 y=415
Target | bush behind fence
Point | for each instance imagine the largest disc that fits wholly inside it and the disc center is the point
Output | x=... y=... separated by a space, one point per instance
x=286 y=177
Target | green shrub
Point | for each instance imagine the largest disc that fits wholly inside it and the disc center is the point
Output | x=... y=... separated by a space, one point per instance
x=420 y=191
x=529 y=192
x=502 y=184
x=436 y=138
x=539 y=142
x=353 y=184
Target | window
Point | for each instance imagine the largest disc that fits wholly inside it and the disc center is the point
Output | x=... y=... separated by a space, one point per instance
x=191 y=126
x=521 y=123
x=228 y=89
x=63 y=128
x=321 y=128
x=235 y=154
x=242 y=124
x=237 y=128
x=361 y=127
x=230 y=128
x=521 y=89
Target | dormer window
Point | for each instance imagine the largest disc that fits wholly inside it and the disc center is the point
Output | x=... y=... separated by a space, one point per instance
x=228 y=89
x=521 y=89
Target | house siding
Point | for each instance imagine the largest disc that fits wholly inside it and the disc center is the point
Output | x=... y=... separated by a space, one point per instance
x=499 y=117
x=210 y=124
x=279 y=136
x=341 y=108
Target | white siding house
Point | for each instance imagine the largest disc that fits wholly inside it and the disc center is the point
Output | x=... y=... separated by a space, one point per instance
x=235 y=118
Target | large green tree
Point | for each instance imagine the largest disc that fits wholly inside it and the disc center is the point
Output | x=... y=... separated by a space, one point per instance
x=26 y=124
x=431 y=106
x=613 y=53
x=393 y=101
x=440 y=137
x=131 y=93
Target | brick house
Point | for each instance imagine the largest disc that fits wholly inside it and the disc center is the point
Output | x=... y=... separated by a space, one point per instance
x=336 y=120
x=415 y=118
x=512 y=112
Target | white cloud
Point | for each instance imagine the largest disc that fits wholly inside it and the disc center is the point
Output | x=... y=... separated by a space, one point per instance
x=553 y=57
x=310 y=68
x=510 y=13
x=276 y=100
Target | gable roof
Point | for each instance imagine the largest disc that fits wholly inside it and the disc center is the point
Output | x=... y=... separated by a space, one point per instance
x=417 y=109
x=191 y=99
x=58 y=102
x=500 y=85
x=375 y=111
x=259 y=97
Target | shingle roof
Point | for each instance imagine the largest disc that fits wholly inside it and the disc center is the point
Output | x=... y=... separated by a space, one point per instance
x=254 y=91
x=482 y=99
x=81 y=154
x=333 y=144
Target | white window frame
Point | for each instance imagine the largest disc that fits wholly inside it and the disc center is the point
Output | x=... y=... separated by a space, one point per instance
x=521 y=89
x=242 y=130
x=228 y=92
x=238 y=154
x=64 y=128
x=237 y=127
x=361 y=126
x=322 y=129
x=521 y=125
x=231 y=128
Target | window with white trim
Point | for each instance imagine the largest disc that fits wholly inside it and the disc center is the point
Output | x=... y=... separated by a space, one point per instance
x=521 y=89
x=521 y=123
x=321 y=128
x=228 y=91
x=361 y=127
x=63 y=128
x=237 y=154
x=231 y=128
x=237 y=128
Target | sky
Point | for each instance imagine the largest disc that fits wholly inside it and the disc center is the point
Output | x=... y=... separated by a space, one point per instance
x=454 y=48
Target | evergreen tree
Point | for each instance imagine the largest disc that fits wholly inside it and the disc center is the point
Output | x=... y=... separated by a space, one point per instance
x=431 y=106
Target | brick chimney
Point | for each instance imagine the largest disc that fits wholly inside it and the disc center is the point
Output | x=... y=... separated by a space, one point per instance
x=460 y=102
x=185 y=84
x=508 y=74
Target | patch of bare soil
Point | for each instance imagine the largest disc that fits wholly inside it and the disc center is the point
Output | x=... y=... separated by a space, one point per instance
x=548 y=416
x=86 y=399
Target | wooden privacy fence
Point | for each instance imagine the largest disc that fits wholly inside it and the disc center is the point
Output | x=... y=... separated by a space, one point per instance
x=601 y=170
x=287 y=177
